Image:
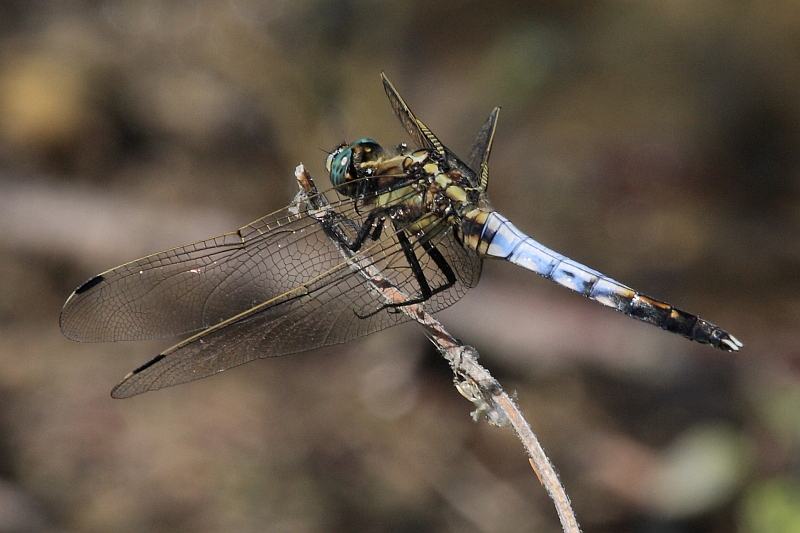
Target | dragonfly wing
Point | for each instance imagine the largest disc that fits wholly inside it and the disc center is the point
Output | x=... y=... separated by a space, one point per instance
x=195 y=286
x=199 y=285
x=419 y=132
x=339 y=304
x=293 y=323
x=478 y=159
x=423 y=136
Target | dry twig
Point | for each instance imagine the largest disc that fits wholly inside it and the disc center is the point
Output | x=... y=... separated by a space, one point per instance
x=472 y=380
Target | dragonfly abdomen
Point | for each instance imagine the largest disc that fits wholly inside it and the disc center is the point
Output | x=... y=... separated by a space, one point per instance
x=492 y=235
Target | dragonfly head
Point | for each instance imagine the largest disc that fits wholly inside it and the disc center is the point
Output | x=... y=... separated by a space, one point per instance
x=345 y=164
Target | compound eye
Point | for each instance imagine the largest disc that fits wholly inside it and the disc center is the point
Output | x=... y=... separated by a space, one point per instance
x=339 y=166
x=366 y=150
x=333 y=155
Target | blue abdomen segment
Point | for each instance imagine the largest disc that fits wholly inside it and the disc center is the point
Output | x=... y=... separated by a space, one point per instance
x=501 y=239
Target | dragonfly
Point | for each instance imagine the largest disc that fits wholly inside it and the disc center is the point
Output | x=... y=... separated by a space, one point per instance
x=295 y=279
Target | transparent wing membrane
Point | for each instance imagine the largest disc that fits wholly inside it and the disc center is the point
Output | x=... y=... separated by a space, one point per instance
x=336 y=307
x=279 y=285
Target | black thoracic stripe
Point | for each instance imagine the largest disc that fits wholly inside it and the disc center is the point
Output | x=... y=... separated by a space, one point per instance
x=472 y=228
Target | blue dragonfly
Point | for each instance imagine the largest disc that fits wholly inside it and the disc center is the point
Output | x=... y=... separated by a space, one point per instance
x=282 y=284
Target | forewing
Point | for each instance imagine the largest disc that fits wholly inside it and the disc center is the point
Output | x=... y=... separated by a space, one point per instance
x=198 y=285
x=341 y=303
x=422 y=136
x=478 y=159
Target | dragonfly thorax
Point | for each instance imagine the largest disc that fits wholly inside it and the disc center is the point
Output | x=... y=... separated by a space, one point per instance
x=364 y=170
x=412 y=189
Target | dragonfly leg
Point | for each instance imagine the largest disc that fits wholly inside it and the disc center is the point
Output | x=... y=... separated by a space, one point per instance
x=425 y=289
x=371 y=228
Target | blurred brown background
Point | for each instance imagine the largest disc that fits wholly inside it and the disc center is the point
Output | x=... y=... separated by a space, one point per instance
x=654 y=141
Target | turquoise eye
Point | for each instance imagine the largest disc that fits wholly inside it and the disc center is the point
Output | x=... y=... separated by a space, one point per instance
x=349 y=163
x=339 y=166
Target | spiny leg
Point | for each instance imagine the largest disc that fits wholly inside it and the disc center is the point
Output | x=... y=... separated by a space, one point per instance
x=441 y=262
x=419 y=275
x=371 y=228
